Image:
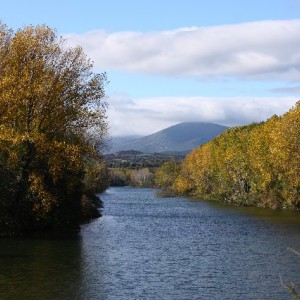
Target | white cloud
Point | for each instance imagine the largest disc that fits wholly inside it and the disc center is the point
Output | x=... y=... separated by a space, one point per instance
x=144 y=116
x=258 y=50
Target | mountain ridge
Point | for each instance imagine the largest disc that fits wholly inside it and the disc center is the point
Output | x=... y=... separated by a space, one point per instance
x=182 y=137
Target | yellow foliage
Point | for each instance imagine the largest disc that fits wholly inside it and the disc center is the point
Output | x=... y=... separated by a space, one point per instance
x=44 y=200
x=52 y=117
x=257 y=164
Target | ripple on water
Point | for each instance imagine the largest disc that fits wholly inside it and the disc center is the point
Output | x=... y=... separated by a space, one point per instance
x=146 y=247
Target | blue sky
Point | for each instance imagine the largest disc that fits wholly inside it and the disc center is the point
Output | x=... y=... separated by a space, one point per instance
x=231 y=62
x=118 y=15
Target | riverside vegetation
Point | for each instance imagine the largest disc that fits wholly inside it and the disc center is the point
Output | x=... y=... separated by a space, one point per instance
x=52 y=125
x=136 y=168
x=255 y=165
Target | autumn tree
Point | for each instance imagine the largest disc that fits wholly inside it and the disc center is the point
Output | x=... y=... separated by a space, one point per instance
x=166 y=176
x=141 y=177
x=52 y=120
x=255 y=165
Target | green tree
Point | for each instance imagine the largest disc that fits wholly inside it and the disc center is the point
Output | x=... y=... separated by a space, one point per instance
x=97 y=177
x=166 y=175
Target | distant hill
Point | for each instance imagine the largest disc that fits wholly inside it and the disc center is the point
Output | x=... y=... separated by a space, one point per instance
x=182 y=138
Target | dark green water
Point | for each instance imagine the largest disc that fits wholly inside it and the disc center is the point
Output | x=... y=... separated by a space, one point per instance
x=145 y=247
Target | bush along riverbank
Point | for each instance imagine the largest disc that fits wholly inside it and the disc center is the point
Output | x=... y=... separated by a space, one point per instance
x=254 y=165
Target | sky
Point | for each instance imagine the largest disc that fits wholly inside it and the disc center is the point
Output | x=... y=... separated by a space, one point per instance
x=229 y=62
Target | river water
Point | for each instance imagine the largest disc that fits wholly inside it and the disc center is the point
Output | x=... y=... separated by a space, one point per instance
x=146 y=247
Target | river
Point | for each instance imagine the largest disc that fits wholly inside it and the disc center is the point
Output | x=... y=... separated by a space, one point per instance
x=145 y=247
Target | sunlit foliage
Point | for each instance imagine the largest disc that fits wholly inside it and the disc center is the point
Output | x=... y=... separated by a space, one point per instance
x=165 y=177
x=52 y=121
x=255 y=165
x=132 y=177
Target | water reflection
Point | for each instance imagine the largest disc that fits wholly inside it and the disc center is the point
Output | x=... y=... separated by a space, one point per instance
x=149 y=248
x=145 y=247
x=40 y=269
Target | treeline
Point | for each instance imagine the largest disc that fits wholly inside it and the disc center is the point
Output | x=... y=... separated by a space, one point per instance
x=138 y=160
x=52 y=123
x=143 y=177
x=257 y=165
x=134 y=168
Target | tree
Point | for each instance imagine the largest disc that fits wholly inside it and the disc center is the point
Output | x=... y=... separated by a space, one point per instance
x=255 y=165
x=52 y=120
x=165 y=177
x=141 y=177
x=97 y=177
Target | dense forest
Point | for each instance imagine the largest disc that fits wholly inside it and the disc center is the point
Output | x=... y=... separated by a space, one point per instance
x=255 y=165
x=52 y=125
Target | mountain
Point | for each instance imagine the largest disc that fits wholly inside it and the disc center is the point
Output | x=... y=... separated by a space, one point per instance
x=120 y=140
x=182 y=137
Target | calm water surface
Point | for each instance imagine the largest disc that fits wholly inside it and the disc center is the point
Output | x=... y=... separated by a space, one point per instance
x=145 y=247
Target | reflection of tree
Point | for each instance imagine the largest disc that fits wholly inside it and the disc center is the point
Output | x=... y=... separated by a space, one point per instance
x=40 y=269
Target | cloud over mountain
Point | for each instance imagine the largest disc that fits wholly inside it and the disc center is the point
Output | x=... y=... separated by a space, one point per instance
x=268 y=50
x=142 y=116
x=263 y=50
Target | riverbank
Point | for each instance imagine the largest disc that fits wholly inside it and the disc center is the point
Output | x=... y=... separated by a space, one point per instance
x=255 y=165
